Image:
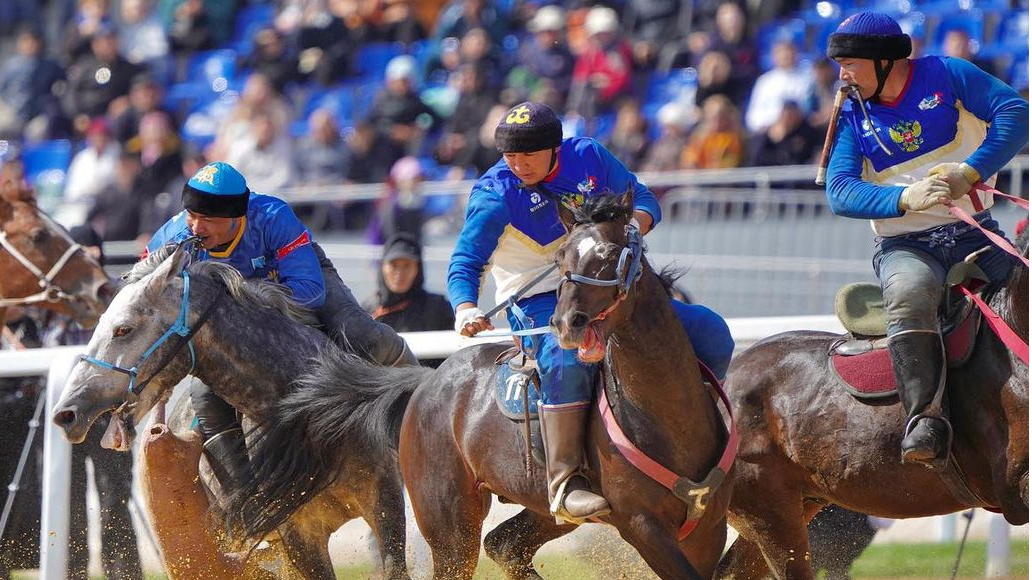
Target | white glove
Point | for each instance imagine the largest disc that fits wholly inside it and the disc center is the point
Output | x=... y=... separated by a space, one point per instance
x=961 y=177
x=924 y=194
x=465 y=316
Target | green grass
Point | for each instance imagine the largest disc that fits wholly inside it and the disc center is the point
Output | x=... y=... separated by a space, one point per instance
x=879 y=561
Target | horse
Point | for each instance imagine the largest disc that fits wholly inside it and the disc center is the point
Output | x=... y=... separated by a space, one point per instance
x=806 y=442
x=42 y=266
x=249 y=348
x=457 y=450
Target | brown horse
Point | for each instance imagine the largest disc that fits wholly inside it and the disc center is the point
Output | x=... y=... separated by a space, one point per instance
x=40 y=265
x=457 y=449
x=806 y=442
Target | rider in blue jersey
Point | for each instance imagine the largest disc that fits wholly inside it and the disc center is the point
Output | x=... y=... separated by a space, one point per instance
x=261 y=237
x=513 y=227
x=923 y=133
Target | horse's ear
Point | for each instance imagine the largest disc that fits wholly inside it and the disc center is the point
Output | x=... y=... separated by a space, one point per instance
x=169 y=269
x=628 y=201
x=566 y=216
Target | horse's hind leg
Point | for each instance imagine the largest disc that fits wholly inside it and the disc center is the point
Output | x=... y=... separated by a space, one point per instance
x=514 y=542
x=383 y=508
x=310 y=556
x=777 y=525
x=743 y=561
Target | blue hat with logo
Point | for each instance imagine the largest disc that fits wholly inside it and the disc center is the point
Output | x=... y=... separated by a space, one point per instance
x=869 y=35
x=528 y=127
x=216 y=190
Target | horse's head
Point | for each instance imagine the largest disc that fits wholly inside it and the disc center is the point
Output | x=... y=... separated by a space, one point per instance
x=120 y=354
x=600 y=262
x=43 y=266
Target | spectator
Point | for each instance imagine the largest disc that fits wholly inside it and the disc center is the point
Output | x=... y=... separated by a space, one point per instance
x=368 y=165
x=475 y=49
x=322 y=158
x=629 y=138
x=89 y=18
x=27 y=84
x=189 y=29
x=396 y=22
x=400 y=209
x=461 y=16
x=958 y=44
x=218 y=16
x=93 y=169
x=789 y=141
x=729 y=37
x=265 y=156
x=144 y=97
x=115 y=214
x=258 y=97
x=654 y=23
x=716 y=77
x=458 y=144
x=665 y=152
x=270 y=58
x=785 y=82
x=160 y=161
x=142 y=39
x=603 y=73
x=717 y=142
x=400 y=118
x=545 y=57
x=166 y=203
x=401 y=301
x=99 y=78
x=826 y=84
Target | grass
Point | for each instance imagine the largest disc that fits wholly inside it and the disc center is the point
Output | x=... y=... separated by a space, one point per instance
x=879 y=561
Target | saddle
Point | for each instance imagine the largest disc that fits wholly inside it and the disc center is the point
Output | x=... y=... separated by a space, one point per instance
x=860 y=358
x=517 y=390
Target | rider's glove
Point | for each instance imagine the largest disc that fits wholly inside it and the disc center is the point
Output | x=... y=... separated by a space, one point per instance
x=924 y=194
x=961 y=177
x=465 y=316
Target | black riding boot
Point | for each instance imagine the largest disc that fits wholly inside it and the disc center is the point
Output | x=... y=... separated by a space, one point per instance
x=918 y=364
x=224 y=443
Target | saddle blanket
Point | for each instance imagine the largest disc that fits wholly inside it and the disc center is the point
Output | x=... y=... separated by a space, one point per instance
x=509 y=388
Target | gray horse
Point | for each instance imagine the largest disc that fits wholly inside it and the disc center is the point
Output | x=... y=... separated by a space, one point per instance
x=251 y=349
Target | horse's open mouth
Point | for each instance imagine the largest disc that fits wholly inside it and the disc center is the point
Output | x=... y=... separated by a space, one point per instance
x=118 y=435
x=592 y=348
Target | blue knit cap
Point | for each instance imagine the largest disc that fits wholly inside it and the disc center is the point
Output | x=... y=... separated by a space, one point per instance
x=869 y=35
x=216 y=190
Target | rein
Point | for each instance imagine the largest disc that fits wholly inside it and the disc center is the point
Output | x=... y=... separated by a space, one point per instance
x=50 y=292
x=180 y=328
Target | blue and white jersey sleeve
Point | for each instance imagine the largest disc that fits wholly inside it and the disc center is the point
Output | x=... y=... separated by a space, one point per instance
x=298 y=265
x=486 y=219
x=848 y=194
x=619 y=179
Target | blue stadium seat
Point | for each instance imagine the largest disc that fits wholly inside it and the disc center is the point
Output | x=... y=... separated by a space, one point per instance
x=47 y=162
x=371 y=59
x=970 y=22
x=1017 y=76
x=208 y=74
x=769 y=34
x=603 y=125
x=1013 y=29
x=663 y=88
x=249 y=21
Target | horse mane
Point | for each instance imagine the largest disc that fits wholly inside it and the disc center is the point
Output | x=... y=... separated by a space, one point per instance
x=261 y=294
x=669 y=276
x=605 y=207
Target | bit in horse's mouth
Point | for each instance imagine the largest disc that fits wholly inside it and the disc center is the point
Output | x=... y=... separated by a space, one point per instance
x=118 y=435
x=592 y=348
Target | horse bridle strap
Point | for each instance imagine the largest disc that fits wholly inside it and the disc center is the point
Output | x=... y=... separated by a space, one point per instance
x=51 y=292
x=695 y=494
x=180 y=328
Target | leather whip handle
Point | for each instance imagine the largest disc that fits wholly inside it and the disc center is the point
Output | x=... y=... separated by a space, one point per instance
x=829 y=138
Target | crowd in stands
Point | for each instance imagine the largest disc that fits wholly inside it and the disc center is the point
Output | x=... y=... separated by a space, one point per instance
x=324 y=92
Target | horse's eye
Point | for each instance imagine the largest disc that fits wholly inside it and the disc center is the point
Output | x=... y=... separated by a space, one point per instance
x=39 y=236
x=122 y=331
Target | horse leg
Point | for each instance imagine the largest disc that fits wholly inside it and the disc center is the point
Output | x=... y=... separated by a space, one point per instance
x=383 y=508
x=514 y=542
x=743 y=561
x=310 y=556
x=778 y=528
x=658 y=548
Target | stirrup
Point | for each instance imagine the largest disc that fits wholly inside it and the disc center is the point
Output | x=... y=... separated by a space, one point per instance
x=936 y=463
x=562 y=515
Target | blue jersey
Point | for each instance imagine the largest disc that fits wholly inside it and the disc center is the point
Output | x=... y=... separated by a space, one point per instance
x=516 y=230
x=949 y=111
x=272 y=243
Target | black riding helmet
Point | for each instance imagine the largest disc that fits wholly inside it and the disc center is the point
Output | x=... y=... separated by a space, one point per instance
x=529 y=127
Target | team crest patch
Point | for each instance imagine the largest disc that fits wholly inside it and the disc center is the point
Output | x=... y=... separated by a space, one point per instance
x=206 y=175
x=930 y=102
x=587 y=186
x=907 y=134
x=520 y=115
x=572 y=200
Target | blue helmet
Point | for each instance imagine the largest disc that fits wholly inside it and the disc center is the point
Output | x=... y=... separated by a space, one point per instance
x=216 y=190
x=869 y=35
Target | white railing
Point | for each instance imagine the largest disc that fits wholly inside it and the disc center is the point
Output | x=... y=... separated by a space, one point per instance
x=56 y=364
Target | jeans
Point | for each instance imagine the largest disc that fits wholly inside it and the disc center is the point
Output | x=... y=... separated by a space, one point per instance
x=566 y=382
x=912 y=269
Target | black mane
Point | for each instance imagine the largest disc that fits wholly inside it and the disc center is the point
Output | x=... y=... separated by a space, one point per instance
x=607 y=207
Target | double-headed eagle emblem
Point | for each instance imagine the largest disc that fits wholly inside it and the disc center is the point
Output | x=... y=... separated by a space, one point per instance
x=907 y=134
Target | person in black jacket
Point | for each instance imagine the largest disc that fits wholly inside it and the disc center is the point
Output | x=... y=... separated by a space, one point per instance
x=401 y=302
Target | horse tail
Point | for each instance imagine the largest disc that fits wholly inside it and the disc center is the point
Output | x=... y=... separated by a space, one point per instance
x=344 y=406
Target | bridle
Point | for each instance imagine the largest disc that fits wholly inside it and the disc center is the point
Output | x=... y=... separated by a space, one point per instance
x=630 y=259
x=181 y=328
x=50 y=292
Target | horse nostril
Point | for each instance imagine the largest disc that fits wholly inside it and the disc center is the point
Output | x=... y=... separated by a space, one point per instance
x=64 y=419
x=578 y=320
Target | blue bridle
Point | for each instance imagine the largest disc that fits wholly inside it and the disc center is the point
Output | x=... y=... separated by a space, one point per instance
x=180 y=328
x=632 y=252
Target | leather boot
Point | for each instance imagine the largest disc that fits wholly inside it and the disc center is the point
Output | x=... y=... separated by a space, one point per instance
x=918 y=364
x=227 y=455
x=569 y=492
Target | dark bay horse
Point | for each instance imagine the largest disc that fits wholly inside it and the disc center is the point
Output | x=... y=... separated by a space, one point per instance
x=806 y=442
x=40 y=264
x=457 y=450
x=250 y=349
